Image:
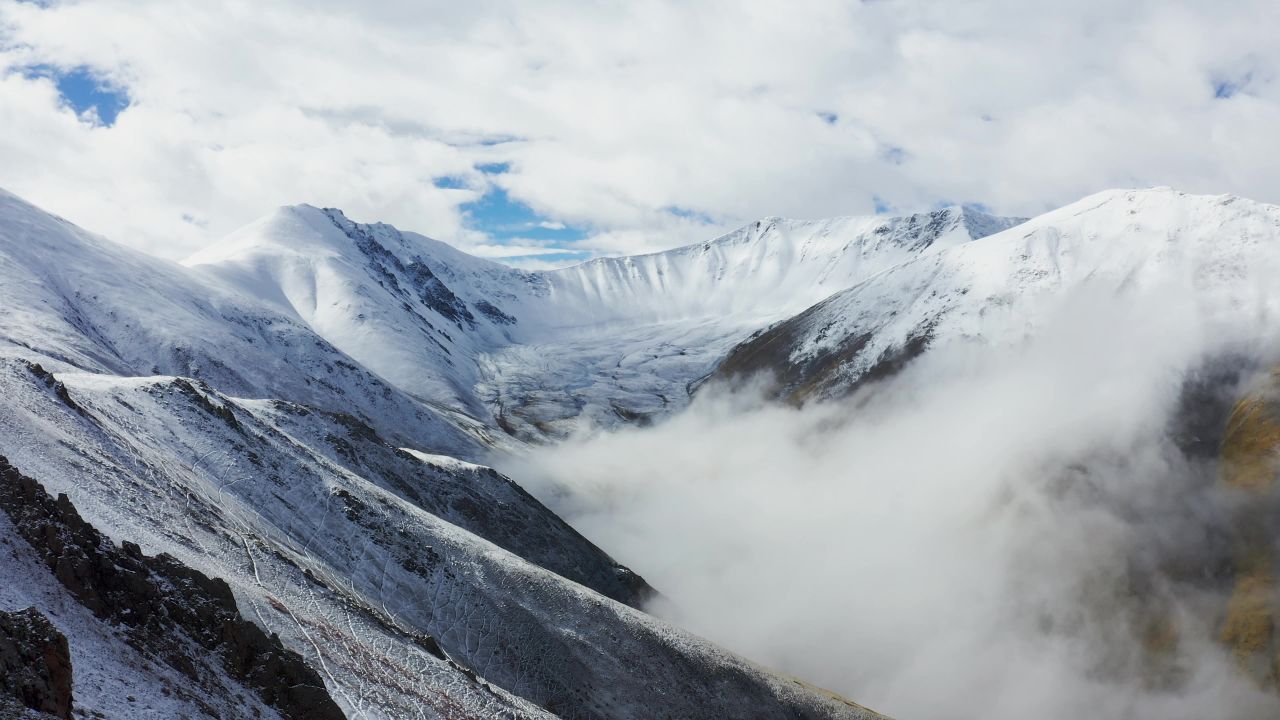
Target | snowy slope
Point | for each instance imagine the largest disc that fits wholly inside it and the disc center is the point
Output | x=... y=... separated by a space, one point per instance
x=1160 y=252
x=773 y=267
x=195 y=420
x=623 y=339
x=386 y=298
x=616 y=339
x=404 y=613
x=90 y=304
x=110 y=676
x=299 y=410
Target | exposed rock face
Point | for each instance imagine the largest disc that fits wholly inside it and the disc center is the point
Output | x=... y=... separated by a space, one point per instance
x=814 y=376
x=386 y=267
x=161 y=602
x=35 y=664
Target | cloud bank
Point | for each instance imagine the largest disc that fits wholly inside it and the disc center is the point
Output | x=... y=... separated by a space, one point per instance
x=998 y=532
x=645 y=125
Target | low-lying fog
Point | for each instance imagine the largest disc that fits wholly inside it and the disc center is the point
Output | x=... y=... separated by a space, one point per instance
x=989 y=534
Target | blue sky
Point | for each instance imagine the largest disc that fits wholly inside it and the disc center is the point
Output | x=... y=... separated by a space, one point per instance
x=84 y=91
x=506 y=221
x=511 y=222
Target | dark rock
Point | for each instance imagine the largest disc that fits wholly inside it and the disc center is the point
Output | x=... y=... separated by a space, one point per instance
x=388 y=269
x=1205 y=401
x=58 y=388
x=817 y=376
x=158 y=600
x=494 y=313
x=222 y=412
x=35 y=663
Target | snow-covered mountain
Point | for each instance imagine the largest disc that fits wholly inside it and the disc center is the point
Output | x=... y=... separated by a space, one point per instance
x=222 y=429
x=300 y=410
x=536 y=354
x=1205 y=257
x=86 y=303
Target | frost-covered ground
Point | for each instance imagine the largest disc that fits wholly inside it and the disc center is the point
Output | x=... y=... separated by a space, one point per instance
x=111 y=676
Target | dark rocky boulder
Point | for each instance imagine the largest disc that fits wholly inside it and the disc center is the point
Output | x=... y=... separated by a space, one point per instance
x=35 y=665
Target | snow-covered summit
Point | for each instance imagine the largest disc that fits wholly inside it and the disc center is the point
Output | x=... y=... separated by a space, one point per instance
x=772 y=266
x=1210 y=259
x=89 y=304
x=415 y=310
x=775 y=263
x=607 y=339
x=287 y=411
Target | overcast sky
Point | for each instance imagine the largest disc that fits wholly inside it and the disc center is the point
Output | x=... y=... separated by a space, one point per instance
x=515 y=128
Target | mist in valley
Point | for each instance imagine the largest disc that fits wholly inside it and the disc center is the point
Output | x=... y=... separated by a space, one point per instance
x=1034 y=529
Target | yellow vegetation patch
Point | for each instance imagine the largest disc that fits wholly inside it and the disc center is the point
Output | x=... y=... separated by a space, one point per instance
x=1249 y=457
x=1250 y=462
x=1250 y=623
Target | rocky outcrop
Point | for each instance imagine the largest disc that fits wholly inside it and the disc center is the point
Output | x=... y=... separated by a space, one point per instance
x=388 y=269
x=35 y=665
x=827 y=373
x=52 y=383
x=163 y=605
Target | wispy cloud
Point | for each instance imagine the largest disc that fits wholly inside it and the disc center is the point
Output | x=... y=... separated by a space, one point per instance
x=539 y=263
x=516 y=248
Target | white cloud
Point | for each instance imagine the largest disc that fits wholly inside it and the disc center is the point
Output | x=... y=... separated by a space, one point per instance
x=968 y=540
x=540 y=263
x=516 y=247
x=616 y=114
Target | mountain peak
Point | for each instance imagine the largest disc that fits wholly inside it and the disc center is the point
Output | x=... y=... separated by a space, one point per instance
x=980 y=224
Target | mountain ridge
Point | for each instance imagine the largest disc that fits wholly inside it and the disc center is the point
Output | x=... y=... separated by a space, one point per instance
x=585 y=329
x=194 y=421
x=308 y=424
x=1206 y=253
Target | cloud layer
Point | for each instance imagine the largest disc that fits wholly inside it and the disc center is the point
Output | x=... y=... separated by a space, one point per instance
x=644 y=124
x=991 y=534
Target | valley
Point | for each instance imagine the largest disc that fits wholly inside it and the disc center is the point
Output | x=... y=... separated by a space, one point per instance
x=309 y=411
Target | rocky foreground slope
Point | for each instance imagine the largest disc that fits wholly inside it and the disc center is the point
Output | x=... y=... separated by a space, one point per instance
x=185 y=623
